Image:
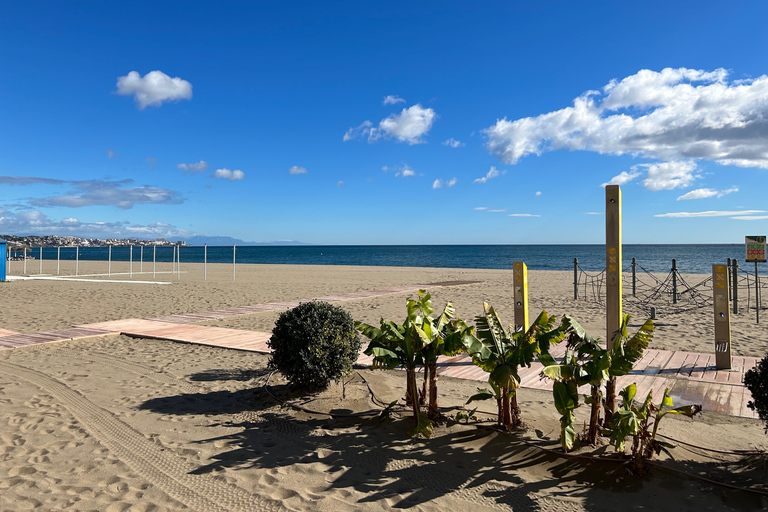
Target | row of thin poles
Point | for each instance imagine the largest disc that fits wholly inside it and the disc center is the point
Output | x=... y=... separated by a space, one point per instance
x=175 y=268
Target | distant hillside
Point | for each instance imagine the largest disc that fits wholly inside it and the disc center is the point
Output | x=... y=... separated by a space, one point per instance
x=228 y=240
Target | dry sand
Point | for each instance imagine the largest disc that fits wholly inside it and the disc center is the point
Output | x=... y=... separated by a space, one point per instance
x=119 y=424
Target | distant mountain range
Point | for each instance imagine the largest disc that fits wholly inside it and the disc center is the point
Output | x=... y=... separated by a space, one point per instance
x=228 y=240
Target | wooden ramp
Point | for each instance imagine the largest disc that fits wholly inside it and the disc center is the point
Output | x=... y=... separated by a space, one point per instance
x=73 y=333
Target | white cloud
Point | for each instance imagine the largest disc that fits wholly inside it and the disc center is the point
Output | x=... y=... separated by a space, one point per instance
x=34 y=222
x=622 y=178
x=200 y=166
x=669 y=175
x=674 y=114
x=593 y=213
x=442 y=184
x=154 y=88
x=703 y=193
x=453 y=143
x=392 y=100
x=538 y=193
x=228 y=175
x=340 y=183
x=710 y=213
x=492 y=173
x=405 y=172
x=481 y=208
x=659 y=176
x=523 y=215
x=498 y=211
x=408 y=126
x=750 y=217
x=109 y=193
x=297 y=170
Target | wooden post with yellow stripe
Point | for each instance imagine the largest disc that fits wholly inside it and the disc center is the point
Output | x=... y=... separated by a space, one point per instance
x=520 y=272
x=723 y=359
x=613 y=264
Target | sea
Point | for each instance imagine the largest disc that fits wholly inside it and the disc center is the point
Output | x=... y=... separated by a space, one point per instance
x=689 y=258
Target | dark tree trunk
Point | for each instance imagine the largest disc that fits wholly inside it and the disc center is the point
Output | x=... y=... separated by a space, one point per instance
x=506 y=419
x=414 y=402
x=434 y=412
x=514 y=411
x=594 y=419
x=410 y=388
x=610 y=401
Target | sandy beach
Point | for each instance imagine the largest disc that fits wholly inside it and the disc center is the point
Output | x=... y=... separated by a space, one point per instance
x=117 y=423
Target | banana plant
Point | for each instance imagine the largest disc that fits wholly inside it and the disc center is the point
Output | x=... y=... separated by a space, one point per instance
x=418 y=342
x=632 y=420
x=587 y=362
x=502 y=352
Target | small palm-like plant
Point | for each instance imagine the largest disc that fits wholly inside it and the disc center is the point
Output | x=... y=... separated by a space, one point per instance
x=502 y=352
x=419 y=341
x=633 y=420
x=587 y=362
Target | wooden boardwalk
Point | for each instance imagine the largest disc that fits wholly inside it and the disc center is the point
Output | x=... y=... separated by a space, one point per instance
x=690 y=376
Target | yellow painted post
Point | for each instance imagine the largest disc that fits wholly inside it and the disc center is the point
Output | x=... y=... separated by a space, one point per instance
x=520 y=271
x=723 y=359
x=613 y=262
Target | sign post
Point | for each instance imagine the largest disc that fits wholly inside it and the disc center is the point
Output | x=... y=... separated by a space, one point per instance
x=520 y=271
x=723 y=359
x=612 y=262
x=755 y=247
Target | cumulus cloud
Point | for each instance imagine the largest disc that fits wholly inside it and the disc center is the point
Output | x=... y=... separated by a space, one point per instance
x=453 y=143
x=444 y=184
x=297 y=170
x=660 y=176
x=35 y=222
x=409 y=126
x=405 y=172
x=154 y=88
x=200 y=166
x=492 y=173
x=109 y=193
x=392 y=100
x=538 y=193
x=228 y=175
x=711 y=213
x=670 y=115
x=703 y=193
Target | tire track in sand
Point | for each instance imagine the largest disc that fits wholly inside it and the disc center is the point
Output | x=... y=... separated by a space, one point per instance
x=165 y=471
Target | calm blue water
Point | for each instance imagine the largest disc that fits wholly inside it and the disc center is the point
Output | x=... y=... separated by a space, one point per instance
x=654 y=258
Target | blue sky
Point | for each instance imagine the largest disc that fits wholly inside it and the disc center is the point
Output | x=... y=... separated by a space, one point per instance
x=384 y=123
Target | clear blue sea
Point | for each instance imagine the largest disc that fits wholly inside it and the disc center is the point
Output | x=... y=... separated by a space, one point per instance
x=654 y=258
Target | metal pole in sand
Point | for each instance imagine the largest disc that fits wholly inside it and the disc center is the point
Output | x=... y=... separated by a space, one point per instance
x=25 y=260
x=234 y=251
x=575 y=279
x=141 y=265
x=41 y=260
x=154 y=260
x=205 y=262
x=634 y=277
x=735 y=274
x=58 y=260
x=109 y=262
x=130 y=264
x=178 y=263
x=77 y=260
x=674 y=281
x=757 y=296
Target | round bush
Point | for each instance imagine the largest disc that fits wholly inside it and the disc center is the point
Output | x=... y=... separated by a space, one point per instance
x=756 y=381
x=313 y=344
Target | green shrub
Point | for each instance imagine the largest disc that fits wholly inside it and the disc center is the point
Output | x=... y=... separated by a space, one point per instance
x=756 y=381
x=313 y=344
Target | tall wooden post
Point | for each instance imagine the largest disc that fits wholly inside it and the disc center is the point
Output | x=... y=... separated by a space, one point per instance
x=575 y=279
x=613 y=262
x=722 y=318
x=735 y=277
x=520 y=271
